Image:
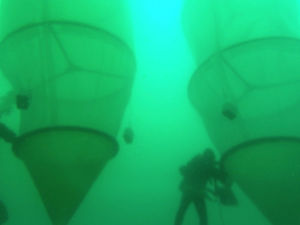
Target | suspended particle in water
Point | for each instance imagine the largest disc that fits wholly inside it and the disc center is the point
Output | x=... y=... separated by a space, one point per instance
x=22 y=102
x=229 y=110
x=128 y=135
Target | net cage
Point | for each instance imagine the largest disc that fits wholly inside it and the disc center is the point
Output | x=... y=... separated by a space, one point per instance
x=73 y=60
x=246 y=89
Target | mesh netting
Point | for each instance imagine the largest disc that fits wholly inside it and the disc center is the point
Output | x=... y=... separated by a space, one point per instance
x=246 y=88
x=73 y=64
x=249 y=91
x=63 y=163
x=68 y=67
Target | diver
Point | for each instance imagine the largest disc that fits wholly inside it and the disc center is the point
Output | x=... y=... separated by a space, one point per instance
x=197 y=174
x=6 y=134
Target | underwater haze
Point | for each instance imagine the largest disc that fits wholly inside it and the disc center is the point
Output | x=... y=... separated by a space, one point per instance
x=140 y=184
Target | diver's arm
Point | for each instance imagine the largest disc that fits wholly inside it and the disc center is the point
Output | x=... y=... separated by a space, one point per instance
x=224 y=178
x=211 y=194
x=219 y=174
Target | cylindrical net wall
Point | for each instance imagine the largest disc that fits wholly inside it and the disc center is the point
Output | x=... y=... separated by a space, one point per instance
x=246 y=88
x=74 y=62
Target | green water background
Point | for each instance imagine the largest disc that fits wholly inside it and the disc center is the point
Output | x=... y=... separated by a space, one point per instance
x=140 y=185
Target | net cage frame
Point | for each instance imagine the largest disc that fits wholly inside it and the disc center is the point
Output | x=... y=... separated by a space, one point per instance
x=71 y=67
x=218 y=53
x=24 y=136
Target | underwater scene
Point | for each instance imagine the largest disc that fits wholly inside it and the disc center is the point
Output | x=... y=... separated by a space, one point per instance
x=149 y=112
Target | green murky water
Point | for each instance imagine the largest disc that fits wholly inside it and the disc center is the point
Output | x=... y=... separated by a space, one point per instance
x=182 y=75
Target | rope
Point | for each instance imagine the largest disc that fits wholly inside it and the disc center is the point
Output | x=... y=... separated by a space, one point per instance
x=221 y=213
x=219 y=206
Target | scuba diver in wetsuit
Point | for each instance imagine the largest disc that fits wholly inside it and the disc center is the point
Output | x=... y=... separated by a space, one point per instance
x=9 y=136
x=201 y=170
x=22 y=103
x=6 y=102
